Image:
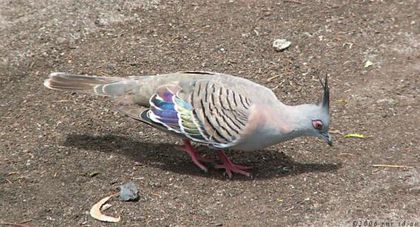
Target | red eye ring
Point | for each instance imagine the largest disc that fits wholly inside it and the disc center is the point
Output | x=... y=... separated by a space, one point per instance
x=317 y=124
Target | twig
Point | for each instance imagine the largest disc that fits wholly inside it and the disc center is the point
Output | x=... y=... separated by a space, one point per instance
x=273 y=77
x=293 y=1
x=25 y=221
x=63 y=100
x=334 y=131
x=391 y=166
x=14 y=224
x=21 y=224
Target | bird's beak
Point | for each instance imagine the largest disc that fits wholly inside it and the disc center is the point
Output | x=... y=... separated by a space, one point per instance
x=326 y=136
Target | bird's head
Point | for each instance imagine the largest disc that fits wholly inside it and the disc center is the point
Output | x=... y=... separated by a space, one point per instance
x=321 y=122
x=317 y=118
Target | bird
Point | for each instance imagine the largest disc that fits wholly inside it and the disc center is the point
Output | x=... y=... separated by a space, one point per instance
x=222 y=111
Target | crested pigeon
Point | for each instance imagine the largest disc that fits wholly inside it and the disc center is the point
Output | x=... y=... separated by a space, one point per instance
x=218 y=110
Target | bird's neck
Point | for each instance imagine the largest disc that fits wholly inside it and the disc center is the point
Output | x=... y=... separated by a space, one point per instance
x=271 y=124
x=291 y=120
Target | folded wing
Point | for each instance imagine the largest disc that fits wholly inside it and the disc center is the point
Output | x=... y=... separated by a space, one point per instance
x=210 y=113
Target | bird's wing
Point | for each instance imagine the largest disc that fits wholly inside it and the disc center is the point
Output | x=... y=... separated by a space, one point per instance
x=208 y=113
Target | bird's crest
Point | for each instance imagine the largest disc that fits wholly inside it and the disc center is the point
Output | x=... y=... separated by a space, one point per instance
x=326 y=96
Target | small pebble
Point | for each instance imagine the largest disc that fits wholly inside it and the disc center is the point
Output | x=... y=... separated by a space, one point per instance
x=129 y=192
x=281 y=44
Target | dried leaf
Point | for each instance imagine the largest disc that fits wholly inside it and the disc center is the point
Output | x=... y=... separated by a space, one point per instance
x=355 y=135
x=106 y=206
x=341 y=101
x=368 y=64
x=95 y=211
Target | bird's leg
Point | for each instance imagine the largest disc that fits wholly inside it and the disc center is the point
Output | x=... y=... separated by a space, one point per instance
x=230 y=167
x=195 y=156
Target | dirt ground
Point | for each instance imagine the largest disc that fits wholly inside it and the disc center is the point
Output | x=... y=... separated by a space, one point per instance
x=62 y=152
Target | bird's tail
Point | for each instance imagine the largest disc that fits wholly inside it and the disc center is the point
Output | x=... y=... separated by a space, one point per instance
x=105 y=86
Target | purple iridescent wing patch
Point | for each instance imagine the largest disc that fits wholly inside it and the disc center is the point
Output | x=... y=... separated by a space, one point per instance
x=174 y=113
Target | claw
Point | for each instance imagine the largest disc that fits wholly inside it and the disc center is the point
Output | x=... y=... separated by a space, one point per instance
x=195 y=156
x=230 y=167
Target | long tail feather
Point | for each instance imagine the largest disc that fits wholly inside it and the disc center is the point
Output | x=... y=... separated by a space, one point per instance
x=81 y=83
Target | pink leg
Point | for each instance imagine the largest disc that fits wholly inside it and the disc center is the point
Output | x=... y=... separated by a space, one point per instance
x=231 y=167
x=195 y=156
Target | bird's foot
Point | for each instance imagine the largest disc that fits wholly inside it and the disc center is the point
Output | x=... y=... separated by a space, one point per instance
x=195 y=156
x=230 y=167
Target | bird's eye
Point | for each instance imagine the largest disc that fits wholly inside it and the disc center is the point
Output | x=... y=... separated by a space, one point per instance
x=317 y=124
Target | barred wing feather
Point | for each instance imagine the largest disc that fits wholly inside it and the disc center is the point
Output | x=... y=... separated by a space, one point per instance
x=210 y=113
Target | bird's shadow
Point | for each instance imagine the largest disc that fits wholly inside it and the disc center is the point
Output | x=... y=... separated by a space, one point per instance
x=266 y=164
